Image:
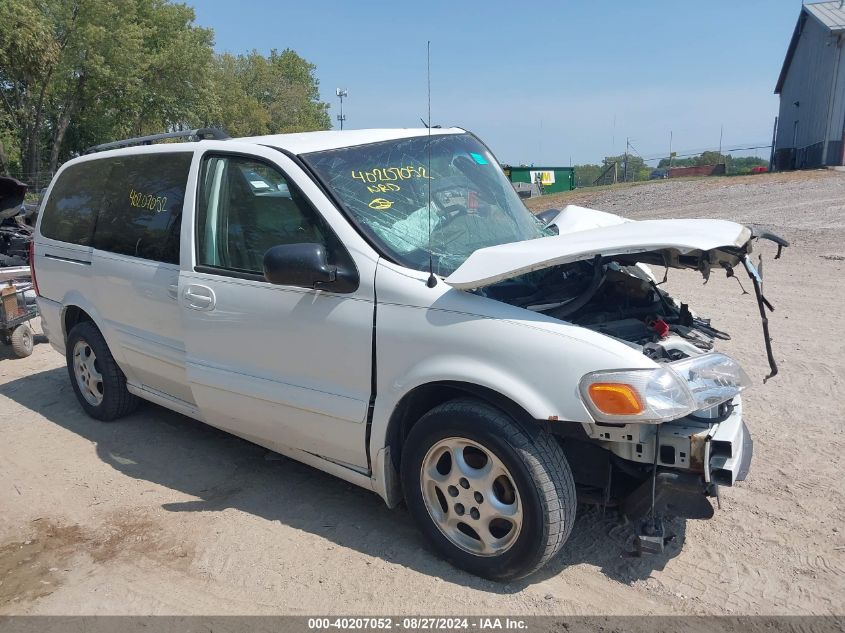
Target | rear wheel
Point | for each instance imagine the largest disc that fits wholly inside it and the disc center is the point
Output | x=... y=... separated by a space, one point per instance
x=22 y=341
x=98 y=382
x=493 y=498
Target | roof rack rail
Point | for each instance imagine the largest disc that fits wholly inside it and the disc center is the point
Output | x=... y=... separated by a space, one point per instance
x=192 y=135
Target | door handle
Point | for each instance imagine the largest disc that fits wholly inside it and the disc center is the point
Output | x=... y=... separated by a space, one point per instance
x=199 y=298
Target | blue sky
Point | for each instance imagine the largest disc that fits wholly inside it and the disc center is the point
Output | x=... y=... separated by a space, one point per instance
x=540 y=82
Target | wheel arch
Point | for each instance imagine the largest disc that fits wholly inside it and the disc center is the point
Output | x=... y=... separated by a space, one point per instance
x=73 y=315
x=423 y=398
x=78 y=308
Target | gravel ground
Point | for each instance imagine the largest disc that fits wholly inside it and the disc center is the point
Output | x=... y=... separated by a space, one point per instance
x=160 y=514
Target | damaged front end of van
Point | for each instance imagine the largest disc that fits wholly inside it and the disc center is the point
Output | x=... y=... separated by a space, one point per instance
x=663 y=439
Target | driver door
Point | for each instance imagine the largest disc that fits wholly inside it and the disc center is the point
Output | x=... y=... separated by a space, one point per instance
x=281 y=366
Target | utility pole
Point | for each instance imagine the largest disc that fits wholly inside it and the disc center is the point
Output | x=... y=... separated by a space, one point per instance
x=721 y=131
x=341 y=93
x=774 y=140
x=670 y=150
x=625 y=163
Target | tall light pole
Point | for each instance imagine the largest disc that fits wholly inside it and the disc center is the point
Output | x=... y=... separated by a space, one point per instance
x=341 y=93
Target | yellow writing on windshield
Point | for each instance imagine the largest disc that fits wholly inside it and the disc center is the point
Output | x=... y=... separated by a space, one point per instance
x=389 y=174
x=380 y=204
x=383 y=187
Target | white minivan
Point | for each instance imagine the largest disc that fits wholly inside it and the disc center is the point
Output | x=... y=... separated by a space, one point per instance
x=380 y=304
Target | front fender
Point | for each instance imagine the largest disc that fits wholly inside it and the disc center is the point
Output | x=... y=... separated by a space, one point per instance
x=442 y=335
x=533 y=360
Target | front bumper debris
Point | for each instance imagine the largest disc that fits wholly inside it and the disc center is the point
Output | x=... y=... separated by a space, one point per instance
x=731 y=449
x=727 y=449
x=676 y=494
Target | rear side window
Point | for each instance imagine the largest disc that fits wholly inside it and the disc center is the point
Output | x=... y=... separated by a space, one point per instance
x=141 y=212
x=71 y=209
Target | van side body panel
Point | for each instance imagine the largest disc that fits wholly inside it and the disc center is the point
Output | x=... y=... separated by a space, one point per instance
x=132 y=300
x=282 y=366
x=138 y=302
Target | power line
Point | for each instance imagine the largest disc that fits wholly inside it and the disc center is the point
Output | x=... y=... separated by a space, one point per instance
x=697 y=152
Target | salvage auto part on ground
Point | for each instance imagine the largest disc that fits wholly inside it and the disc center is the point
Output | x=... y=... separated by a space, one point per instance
x=17 y=220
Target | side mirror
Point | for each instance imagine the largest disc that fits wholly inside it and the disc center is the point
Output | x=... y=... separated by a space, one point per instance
x=302 y=265
x=548 y=215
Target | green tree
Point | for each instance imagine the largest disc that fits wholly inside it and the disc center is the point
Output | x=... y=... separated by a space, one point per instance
x=236 y=111
x=744 y=165
x=733 y=166
x=30 y=49
x=636 y=167
x=268 y=95
x=74 y=73
x=9 y=153
x=97 y=69
x=677 y=162
x=711 y=158
x=585 y=175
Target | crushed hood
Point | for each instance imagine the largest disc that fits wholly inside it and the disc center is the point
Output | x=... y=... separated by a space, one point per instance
x=586 y=233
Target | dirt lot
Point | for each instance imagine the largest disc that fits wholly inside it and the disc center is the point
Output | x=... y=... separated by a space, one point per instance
x=160 y=514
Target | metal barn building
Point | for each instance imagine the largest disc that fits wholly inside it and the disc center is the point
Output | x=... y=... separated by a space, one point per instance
x=811 y=86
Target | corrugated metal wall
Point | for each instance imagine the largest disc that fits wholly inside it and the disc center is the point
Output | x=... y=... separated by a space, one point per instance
x=808 y=82
x=837 y=118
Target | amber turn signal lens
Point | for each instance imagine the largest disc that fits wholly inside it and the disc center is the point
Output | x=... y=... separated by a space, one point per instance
x=615 y=398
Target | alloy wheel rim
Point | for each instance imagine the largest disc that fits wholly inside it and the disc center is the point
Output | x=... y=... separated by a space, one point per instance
x=471 y=496
x=87 y=372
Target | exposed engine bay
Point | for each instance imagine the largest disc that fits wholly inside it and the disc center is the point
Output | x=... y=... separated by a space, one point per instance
x=593 y=271
x=621 y=301
x=596 y=271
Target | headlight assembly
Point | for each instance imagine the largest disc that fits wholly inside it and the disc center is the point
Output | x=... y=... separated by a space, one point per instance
x=665 y=393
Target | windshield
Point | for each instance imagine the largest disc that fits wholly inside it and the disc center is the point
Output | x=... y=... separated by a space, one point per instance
x=386 y=188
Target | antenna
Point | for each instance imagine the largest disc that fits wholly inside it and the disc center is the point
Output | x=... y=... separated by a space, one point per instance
x=341 y=93
x=432 y=280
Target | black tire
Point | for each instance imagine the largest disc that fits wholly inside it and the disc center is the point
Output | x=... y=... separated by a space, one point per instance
x=22 y=341
x=539 y=470
x=117 y=402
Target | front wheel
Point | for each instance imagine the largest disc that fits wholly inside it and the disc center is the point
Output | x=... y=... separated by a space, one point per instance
x=493 y=498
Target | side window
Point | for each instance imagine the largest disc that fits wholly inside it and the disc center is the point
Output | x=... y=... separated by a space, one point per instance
x=141 y=212
x=71 y=209
x=246 y=207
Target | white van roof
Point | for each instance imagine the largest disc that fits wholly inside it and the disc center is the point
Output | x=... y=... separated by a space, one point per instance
x=296 y=143
x=305 y=142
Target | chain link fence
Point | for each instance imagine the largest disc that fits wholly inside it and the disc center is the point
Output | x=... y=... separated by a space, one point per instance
x=36 y=182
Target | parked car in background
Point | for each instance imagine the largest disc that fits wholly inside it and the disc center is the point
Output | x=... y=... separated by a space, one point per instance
x=381 y=305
